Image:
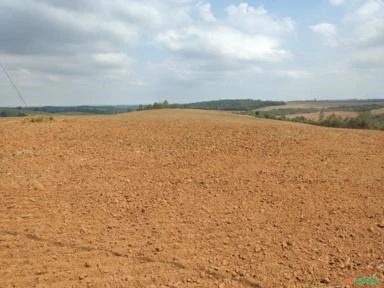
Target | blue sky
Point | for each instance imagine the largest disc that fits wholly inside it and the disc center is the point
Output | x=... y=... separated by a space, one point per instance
x=129 y=52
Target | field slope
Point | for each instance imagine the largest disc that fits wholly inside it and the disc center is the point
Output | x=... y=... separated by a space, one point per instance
x=182 y=198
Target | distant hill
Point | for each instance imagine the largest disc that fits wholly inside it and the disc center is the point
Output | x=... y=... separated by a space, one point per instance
x=232 y=104
x=68 y=110
x=227 y=105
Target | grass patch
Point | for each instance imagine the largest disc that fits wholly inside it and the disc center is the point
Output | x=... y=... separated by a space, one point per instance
x=378 y=111
x=38 y=119
x=365 y=120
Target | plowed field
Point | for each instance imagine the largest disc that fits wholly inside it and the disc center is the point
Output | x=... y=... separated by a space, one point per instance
x=180 y=198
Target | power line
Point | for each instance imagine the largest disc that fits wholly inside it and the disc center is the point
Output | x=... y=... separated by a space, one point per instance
x=13 y=84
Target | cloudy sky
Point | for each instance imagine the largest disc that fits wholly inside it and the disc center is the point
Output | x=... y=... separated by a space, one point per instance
x=128 y=52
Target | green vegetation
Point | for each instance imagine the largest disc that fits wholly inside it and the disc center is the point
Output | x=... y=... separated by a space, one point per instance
x=331 y=105
x=283 y=112
x=365 y=120
x=227 y=105
x=232 y=105
x=371 y=115
x=378 y=111
x=38 y=119
x=66 y=110
x=15 y=112
x=288 y=111
x=156 y=105
x=84 y=110
x=355 y=108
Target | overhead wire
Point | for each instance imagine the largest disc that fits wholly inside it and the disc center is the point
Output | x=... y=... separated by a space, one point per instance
x=13 y=84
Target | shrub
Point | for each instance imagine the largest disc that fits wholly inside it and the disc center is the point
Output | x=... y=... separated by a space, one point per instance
x=365 y=120
x=333 y=121
x=38 y=119
x=300 y=119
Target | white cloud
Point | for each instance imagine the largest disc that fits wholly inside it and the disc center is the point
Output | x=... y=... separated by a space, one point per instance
x=86 y=34
x=366 y=37
x=113 y=59
x=370 y=58
x=337 y=2
x=205 y=12
x=247 y=34
x=367 y=23
x=163 y=46
x=371 y=8
x=224 y=42
x=325 y=29
x=257 y=20
x=70 y=67
x=328 y=31
x=294 y=74
x=243 y=41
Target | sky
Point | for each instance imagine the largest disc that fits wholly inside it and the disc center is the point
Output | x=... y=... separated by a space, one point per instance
x=101 y=52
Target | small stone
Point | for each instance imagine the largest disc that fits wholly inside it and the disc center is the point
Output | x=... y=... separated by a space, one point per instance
x=325 y=280
x=381 y=225
x=87 y=264
x=82 y=277
x=287 y=243
x=129 y=278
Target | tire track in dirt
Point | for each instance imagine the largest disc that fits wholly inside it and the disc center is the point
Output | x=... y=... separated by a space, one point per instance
x=79 y=247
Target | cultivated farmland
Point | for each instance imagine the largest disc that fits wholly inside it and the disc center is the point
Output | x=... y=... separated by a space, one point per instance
x=188 y=198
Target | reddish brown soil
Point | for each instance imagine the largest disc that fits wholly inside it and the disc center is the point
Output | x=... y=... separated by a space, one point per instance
x=316 y=116
x=188 y=199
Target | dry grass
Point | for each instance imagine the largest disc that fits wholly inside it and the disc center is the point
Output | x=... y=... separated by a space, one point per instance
x=38 y=119
x=378 y=111
x=316 y=116
x=293 y=105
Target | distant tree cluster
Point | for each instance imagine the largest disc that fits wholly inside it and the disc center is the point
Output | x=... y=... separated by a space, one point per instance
x=228 y=105
x=233 y=104
x=355 y=108
x=156 y=105
x=82 y=109
x=365 y=120
x=68 y=110
x=12 y=113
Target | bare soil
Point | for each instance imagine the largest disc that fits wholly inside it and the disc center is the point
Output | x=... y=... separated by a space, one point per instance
x=179 y=198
